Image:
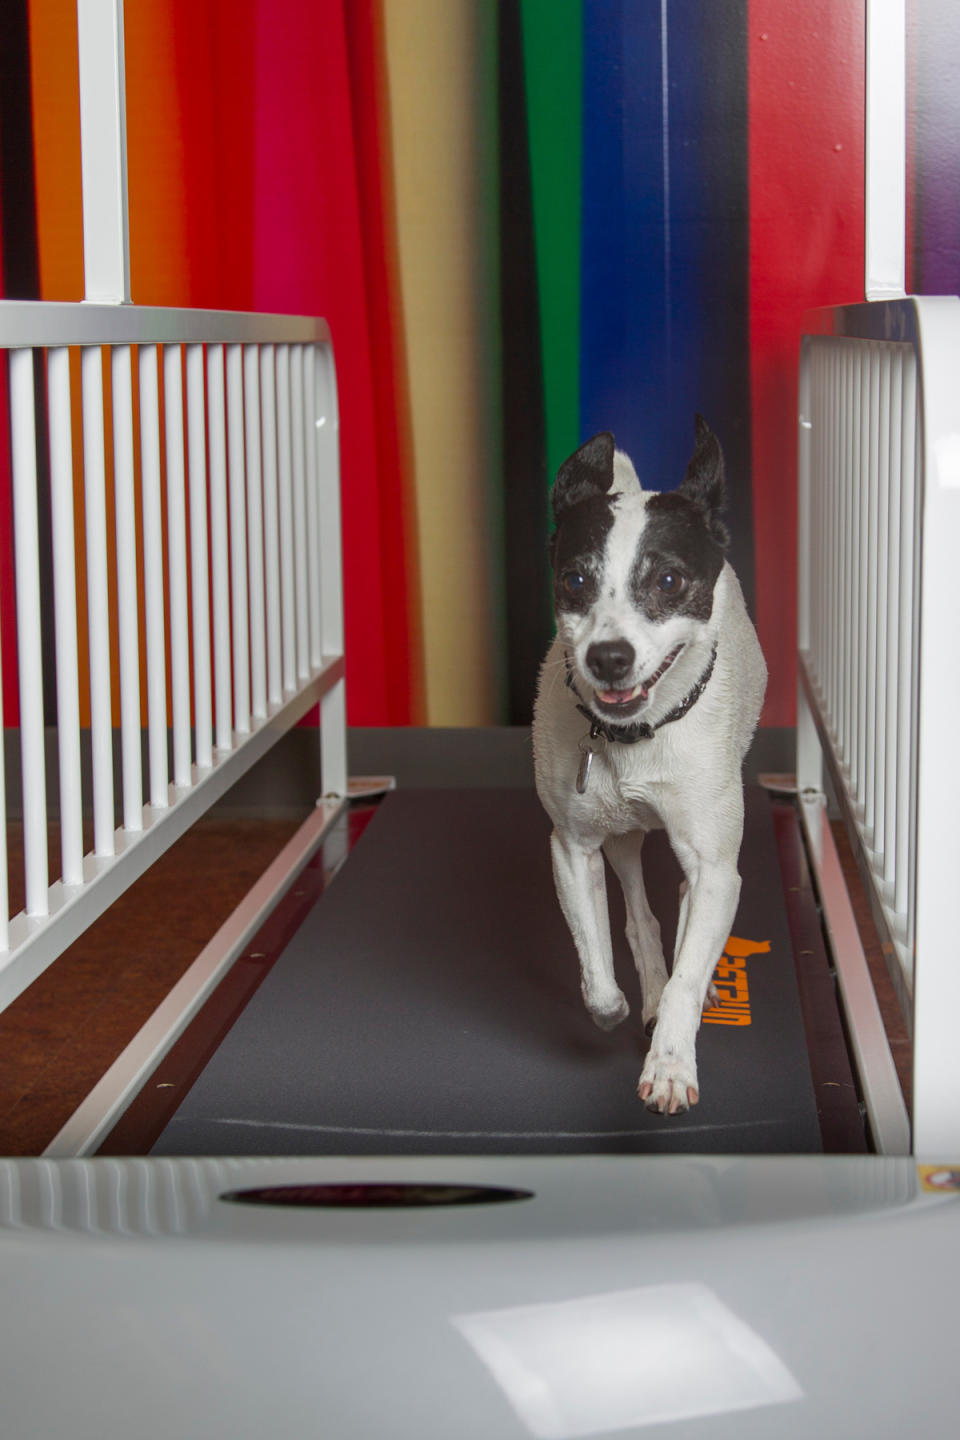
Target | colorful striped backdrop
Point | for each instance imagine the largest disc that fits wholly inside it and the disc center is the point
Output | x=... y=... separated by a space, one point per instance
x=525 y=221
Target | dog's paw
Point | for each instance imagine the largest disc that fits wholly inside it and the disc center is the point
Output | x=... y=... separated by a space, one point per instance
x=607 y=1017
x=712 y=997
x=668 y=1084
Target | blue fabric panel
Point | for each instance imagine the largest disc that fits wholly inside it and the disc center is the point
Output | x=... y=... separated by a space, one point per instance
x=623 y=290
x=664 y=319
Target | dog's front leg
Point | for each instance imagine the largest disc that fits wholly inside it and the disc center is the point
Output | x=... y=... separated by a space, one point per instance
x=582 y=891
x=668 y=1082
x=643 y=931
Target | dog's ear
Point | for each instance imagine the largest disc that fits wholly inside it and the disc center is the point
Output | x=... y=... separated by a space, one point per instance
x=705 y=484
x=588 y=472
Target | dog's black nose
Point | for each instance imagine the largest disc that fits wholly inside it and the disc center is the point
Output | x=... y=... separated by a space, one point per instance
x=611 y=660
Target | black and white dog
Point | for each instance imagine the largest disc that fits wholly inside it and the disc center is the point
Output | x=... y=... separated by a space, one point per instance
x=647 y=702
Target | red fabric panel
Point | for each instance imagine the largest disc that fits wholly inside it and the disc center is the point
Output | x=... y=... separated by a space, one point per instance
x=258 y=150
x=216 y=122
x=806 y=97
x=308 y=258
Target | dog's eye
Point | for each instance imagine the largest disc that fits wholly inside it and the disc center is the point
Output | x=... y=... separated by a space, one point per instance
x=671 y=582
x=573 y=582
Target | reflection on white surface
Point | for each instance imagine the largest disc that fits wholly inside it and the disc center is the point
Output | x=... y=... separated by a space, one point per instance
x=629 y=1358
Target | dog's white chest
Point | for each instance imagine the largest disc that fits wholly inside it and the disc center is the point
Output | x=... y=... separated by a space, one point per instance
x=611 y=802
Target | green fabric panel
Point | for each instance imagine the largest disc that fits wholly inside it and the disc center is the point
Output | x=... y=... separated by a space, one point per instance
x=553 y=68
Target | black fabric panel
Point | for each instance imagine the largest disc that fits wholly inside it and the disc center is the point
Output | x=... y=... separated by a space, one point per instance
x=529 y=624
x=719 y=125
x=21 y=272
x=431 y=1004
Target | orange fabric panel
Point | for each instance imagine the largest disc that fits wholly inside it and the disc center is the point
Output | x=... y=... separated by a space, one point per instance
x=56 y=141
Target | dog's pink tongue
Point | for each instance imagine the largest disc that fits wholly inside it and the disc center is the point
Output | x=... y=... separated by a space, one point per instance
x=618 y=697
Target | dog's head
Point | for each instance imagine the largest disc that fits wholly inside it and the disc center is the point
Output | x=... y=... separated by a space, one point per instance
x=634 y=576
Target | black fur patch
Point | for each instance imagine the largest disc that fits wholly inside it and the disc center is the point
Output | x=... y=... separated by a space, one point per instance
x=587 y=473
x=578 y=549
x=678 y=539
x=705 y=481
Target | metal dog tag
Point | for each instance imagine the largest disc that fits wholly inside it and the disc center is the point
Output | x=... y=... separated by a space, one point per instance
x=588 y=748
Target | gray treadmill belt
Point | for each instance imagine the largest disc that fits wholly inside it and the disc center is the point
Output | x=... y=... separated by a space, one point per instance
x=430 y=1003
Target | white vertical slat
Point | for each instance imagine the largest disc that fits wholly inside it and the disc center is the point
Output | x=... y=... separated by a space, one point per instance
x=869 y=732
x=816 y=552
x=851 y=576
x=271 y=534
x=333 y=706
x=843 y=567
x=881 y=637
x=299 y=513
x=836 y=530
x=103 y=150
x=855 y=479
x=906 y=668
x=238 y=543
x=810 y=441
x=311 y=420
x=820 y=548
x=285 y=508
x=862 y=521
x=219 y=542
x=855 y=484
x=127 y=586
x=98 y=613
x=893 y=623
x=177 y=561
x=153 y=597
x=834 y=540
x=199 y=557
x=65 y=614
x=30 y=667
x=258 y=635
x=804 y=449
x=823 y=530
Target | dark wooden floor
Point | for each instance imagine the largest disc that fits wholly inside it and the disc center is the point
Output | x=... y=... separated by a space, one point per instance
x=63 y=1033
x=67 y=1028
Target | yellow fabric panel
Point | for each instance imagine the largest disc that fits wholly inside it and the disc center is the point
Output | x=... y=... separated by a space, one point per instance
x=435 y=63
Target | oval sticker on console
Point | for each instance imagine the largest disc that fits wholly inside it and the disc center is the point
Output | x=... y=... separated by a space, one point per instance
x=373 y=1196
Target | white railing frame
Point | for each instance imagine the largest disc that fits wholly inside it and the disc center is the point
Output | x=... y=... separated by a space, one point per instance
x=169 y=340
x=885 y=157
x=919 y=704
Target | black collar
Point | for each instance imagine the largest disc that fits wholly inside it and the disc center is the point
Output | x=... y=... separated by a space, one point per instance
x=640 y=730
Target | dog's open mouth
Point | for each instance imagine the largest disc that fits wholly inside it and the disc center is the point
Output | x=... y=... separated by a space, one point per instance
x=626 y=702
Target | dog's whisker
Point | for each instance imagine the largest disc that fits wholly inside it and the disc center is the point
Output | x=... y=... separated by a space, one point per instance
x=553 y=670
